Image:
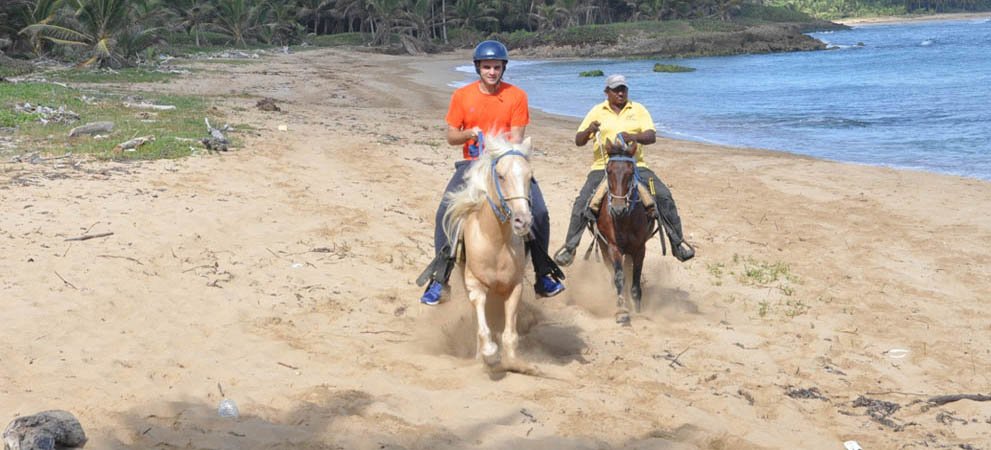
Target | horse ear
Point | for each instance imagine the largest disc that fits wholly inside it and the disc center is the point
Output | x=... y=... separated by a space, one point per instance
x=607 y=145
x=633 y=148
x=527 y=145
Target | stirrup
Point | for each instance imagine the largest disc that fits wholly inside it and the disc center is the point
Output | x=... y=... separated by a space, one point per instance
x=438 y=269
x=564 y=257
x=677 y=252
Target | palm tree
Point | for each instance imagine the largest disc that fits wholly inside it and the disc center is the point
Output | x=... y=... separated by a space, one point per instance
x=382 y=17
x=471 y=13
x=240 y=19
x=192 y=15
x=314 y=13
x=281 y=27
x=96 y=25
x=28 y=12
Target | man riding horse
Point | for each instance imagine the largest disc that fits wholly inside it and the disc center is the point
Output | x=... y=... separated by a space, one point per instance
x=489 y=105
x=619 y=116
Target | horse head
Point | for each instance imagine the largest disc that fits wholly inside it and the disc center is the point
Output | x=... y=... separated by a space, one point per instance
x=509 y=192
x=621 y=175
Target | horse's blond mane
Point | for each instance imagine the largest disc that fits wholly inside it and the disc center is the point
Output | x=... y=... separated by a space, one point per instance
x=466 y=200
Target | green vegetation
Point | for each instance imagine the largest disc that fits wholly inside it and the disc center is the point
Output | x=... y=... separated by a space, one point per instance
x=173 y=129
x=116 y=33
x=121 y=33
x=833 y=9
x=672 y=68
x=774 y=286
x=762 y=273
x=717 y=270
x=126 y=75
x=591 y=73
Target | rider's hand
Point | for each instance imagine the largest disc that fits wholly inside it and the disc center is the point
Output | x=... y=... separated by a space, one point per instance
x=593 y=128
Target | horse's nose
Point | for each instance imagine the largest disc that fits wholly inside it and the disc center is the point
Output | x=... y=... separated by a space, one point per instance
x=521 y=223
x=617 y=210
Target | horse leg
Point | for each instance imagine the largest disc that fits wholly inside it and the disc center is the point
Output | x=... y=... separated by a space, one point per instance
x=510 y=336
x=636 y=290
x=486 y=347
x=619 y=278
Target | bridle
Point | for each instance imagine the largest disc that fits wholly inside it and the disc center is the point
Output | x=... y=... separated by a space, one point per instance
x=632 y=193
x=502 y=211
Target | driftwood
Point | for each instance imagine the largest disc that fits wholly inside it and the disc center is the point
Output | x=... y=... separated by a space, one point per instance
x=944 y=399
x=133 y=143
x=149 y=106
x=92 y=128
x=216 y=141
x=90 y=236
x=267 y=104
x=44 y=431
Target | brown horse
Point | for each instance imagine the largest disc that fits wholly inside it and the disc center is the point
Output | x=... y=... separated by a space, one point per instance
x=623 y=224
x=493 y=214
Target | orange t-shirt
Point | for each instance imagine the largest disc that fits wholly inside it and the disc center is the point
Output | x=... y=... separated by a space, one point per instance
x=492 y=113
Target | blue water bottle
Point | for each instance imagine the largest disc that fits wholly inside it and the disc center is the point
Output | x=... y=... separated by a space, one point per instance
x=476 y=149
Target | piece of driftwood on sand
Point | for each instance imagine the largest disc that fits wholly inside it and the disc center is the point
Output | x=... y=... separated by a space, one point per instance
x=92 y=128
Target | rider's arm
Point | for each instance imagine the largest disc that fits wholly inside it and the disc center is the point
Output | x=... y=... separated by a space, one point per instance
x=645 y=137
x=457 y=136
x=583 y=136
x=516 y=134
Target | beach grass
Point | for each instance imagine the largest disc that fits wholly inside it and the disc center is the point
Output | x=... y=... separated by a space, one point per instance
x=126 y=75
x=175 y=131
x=777 y=286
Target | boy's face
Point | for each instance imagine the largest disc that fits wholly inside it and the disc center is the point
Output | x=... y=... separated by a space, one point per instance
x=490 y=70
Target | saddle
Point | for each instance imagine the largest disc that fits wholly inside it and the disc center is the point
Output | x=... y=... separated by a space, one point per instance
x=646 y=197
x=443 y=264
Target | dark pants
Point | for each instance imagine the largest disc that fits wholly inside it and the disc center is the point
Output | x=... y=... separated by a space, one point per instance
x=541 y=227
x=662 y=197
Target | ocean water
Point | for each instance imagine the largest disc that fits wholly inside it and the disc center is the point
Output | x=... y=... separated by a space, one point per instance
x=909 y=95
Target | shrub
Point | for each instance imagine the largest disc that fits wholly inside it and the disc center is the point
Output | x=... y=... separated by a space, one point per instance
x=591 y=73
x=672 y=68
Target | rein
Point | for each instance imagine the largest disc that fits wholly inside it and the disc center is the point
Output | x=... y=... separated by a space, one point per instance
x=631 y=191
x=502 y=211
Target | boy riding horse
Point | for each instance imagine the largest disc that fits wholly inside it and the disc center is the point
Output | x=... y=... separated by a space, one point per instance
x=489 y=105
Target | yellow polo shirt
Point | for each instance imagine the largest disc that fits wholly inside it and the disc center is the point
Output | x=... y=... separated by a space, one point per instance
x=634 y=118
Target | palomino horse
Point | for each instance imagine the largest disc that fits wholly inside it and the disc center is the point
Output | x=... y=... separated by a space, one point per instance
x=493 y=213
x=623 y=224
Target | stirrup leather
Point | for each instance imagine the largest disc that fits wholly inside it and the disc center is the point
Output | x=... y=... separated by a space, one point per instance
x=646 y=196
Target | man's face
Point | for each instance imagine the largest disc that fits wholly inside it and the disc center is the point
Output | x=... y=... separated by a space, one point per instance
x=490 y=70
x=617 y=96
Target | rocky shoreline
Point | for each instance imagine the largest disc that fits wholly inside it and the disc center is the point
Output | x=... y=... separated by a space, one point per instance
x=765 y=38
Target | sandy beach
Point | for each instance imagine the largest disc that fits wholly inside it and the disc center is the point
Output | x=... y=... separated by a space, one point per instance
x=858 y=21
x=282 y=274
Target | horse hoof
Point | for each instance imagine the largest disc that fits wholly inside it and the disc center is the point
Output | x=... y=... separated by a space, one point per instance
x=490 y=354
x=491 y=360
x=623 y=319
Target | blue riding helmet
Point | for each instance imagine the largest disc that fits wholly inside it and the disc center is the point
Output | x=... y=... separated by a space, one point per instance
x=491 y=50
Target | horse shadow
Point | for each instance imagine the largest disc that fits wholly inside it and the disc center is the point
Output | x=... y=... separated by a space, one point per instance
x=452 y=330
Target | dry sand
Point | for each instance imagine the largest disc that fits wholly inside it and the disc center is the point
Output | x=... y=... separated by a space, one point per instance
x=283 y=272
x=859 y=21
